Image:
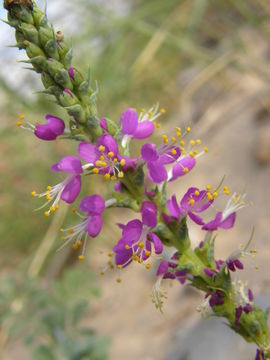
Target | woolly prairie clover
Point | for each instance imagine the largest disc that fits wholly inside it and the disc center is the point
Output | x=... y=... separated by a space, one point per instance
x=138 y=183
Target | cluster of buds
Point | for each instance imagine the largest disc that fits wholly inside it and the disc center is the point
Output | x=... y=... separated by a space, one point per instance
x=160 y=228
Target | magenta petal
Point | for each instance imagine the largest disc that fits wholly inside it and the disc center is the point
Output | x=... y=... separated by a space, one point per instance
x=184 y=202
x=173 y=207
x=88 y=152
x=56 y=124
x=228 y=222
x=132 y=230
x=149 y=152
x=178 y=169
x=70 y=164
x=71 y=190
x=168 y=157
x=129 y=121
x=123 y=258
x=149 y=214
x=94 y=225
x=103 y=124
x=157 y=243
x=197 y=219
x=157 y=172
x=43 y=132
x=213 y=224
x=109 y=142
x=144 y=130
x=93 y=204
x=163 y=268
x=130 y=163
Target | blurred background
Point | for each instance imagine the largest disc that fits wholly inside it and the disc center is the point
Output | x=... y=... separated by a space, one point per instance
x=207 y=63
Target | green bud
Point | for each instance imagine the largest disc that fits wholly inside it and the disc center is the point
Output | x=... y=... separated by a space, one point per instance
x=32 y=50
x=255 y=327
x=39 y=63
x=63 y=48
x=53 y=90
x=20 y=39
x=67 y=98
x=23 y=13
x=47 y=80
x=53 y=66
x=111 y=126
x=77 y=77
x=83 y=92
x=188 y=267
x=77 y=112
x=75 y=128
x=164 y=233
x=37 y=15
x=51 y=49
x=183 y=241
x=62 y=78
x=68 y=58
x=12 y=21
x=45 y=34
x=30 y=32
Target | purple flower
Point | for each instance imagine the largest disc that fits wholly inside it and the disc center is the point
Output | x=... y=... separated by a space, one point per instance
x=91 y=224
x=238 y=313
x=193 y=202
x=105 y=157
x=54 y=127
x=157 y=158
x=137 y=238
x=216 y=298
x=168 y=269
x=209 y=272
x=226 y=219
x=134 y=128
x=233 y=264
x=67 y=190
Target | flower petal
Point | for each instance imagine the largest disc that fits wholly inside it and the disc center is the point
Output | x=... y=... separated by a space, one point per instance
x=157 y=243
x=54 y=127
x=94 y=225
x=129 y=121
x=88 y=152
x=103 y=124
x=149 y=214
x=70 y=164
x=109 y=142
x=132 y=230
x=163 y=268
x=178 y=169
x=173 y=207
x=56 y=124
x=197 y=219
x=93 y=204
x=228 y=222
x=157 y=172
x=170 y=156
x=213 y=224
x=149 y=152
x=144 y=130
x=71 y=190
x=43 y=132
x=123 y=258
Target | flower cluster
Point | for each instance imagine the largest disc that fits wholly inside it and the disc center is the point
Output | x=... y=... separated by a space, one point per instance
x=158 y=232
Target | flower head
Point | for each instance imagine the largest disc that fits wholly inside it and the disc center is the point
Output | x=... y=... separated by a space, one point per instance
x=50 y=131
x=138 y=239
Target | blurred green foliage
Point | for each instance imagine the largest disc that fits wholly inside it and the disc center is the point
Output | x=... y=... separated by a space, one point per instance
x=48 y=319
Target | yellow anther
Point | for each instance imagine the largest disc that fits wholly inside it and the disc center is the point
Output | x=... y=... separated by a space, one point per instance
x=188 y=129
x=99 y=163
x=178 y=128
x=148 y=266
x=49 y=188
x=18 y=123
x=182 y=143
x=21 y=117
x=162 y=110
x=178 y=134
x=110 y=254
x=215 y=193
x=80 y=257
x=183 y=150
x=192 y=142
x=226 y=190
x=196 y=192
x=191 y=153
x=118 y=281
x=122 y=162
x=120 y=174
x=191 y=201
x=210 y=196
x=198 y=141
x=142 y=110
x=79 y=243
x=165 y=138
x=52 y=208
x=115 y=160
x=147 y=253
x=62 y=230
x=119 y=267
x=101 y=273
x=127 y=247
x=195 y=152
x=113 y=177
x=101 y=157
x=46 y=213
x=63 y=238
x=208 y=187
x=185 y=170
x=33 y=193
x=136 y=258
x=141 y=244
x=95 y=170
x=205 y=149
x=103 y=163
x=73 y=210
x=107 y=176
x=110 y=154
x=174 y=152
x=70 y=231
x=173 y=138
x=101 y=148
x=57 y=206
x=158 y=125
x=48 y=197
x=150 y=113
